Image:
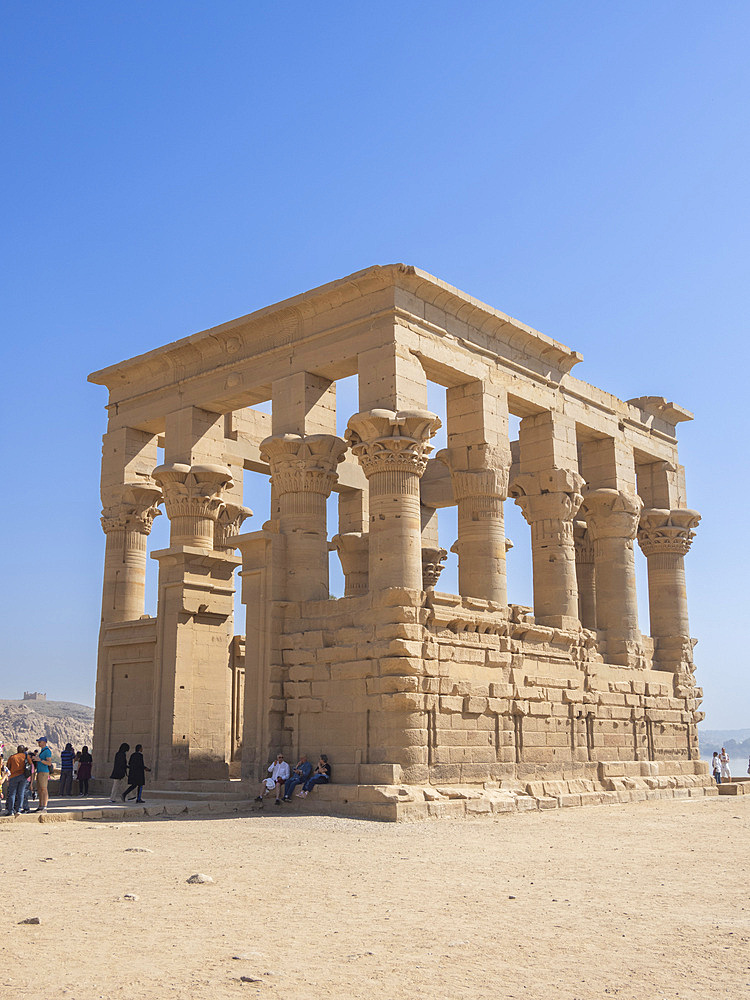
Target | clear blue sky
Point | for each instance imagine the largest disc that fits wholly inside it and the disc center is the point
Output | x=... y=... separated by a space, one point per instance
x=168 y=166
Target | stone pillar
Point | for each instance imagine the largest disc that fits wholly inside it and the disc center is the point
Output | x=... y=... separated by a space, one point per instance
x=353 y=551
x=549 y=501
x=585 y=575
x=392 y=448
x=303 y=473
x=665 y=536
x=127 y=525
x=481 y=544
x=612 y=519
x=195 y=626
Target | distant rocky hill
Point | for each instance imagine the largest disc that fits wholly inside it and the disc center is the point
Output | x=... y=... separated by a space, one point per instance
x=735 y=741
x=60 y=721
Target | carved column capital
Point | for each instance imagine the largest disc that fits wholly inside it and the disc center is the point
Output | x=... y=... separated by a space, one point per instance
x=482 y=475
x=667 y=531
x=193 y=491
x=386 y=440
x=432 y=565
x=228 y=523
x=135 y=510
x=193 y=498
x=611 y=513
x=549 y=501
x=303 y=464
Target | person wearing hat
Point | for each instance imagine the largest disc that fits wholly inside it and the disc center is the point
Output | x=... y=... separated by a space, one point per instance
x=42 y=761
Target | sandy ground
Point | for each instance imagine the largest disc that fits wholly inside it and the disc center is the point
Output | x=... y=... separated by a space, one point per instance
x=642 y=901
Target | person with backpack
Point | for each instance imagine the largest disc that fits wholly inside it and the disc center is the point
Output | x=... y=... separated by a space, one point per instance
x=44 y=767
x=66 y=770
x=84 y=771
x=16 y=764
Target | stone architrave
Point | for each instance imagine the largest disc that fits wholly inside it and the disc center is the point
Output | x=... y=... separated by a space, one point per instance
x=127 y=525
x=353 y=552
x=303 y=473
x=392 y=448
x=612 y=519
x=665 y=537
x=432 y=566
x=549 y=502
x=585 y=574
x=193 y=498
x=481 y=547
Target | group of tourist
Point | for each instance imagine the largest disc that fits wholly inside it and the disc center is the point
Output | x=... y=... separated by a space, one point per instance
x=24 y=776
x=130 y=772
x=283 y=780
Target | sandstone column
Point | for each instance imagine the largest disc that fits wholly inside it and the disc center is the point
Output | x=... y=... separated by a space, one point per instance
x=392 y=448
x=480 y=545
x=303 y=473
x=612 y=519
x=195 y=625
x=665 y=536
x=549 y=501
x=585 y=574
x=127 y=525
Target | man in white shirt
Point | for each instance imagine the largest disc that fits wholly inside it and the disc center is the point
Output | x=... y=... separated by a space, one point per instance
x=279 y=772
x=725 y=772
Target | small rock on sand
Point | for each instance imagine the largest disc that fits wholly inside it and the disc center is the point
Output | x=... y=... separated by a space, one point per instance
x=30 y=920
x=199 y=879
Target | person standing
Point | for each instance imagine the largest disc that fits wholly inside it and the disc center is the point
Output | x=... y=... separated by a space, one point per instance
x=725 y=772
x=137 y=774
x=66 y=770
x=84 y=771
x=119 y=772
x=28 y=771
x=43 y=769
x=14 y=800
x=716 y=767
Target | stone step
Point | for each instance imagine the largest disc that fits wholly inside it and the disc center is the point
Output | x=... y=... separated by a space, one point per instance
x=734 y=788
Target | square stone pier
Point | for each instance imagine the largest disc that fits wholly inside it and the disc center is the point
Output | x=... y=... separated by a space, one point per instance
x=416 y=695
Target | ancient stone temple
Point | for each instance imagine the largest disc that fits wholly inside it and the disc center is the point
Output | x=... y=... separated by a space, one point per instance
x=427 y=703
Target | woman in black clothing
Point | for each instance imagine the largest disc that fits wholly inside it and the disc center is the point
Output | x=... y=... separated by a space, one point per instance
x=85 y=761
x=137 y=770
x=119 y=771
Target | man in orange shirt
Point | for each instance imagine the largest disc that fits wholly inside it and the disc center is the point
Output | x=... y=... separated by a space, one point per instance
x=17 y=780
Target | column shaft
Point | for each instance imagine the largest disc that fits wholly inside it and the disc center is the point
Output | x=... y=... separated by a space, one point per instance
x=549 y=502
x=665 y=536
x=127 y=526
x=303 y=475
x=612 y=519
x=392 y=449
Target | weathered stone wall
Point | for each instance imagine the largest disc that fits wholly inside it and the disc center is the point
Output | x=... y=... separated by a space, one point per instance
x=454 y=694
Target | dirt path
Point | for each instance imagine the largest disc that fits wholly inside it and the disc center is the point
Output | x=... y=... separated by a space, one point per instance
x=646 y=901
